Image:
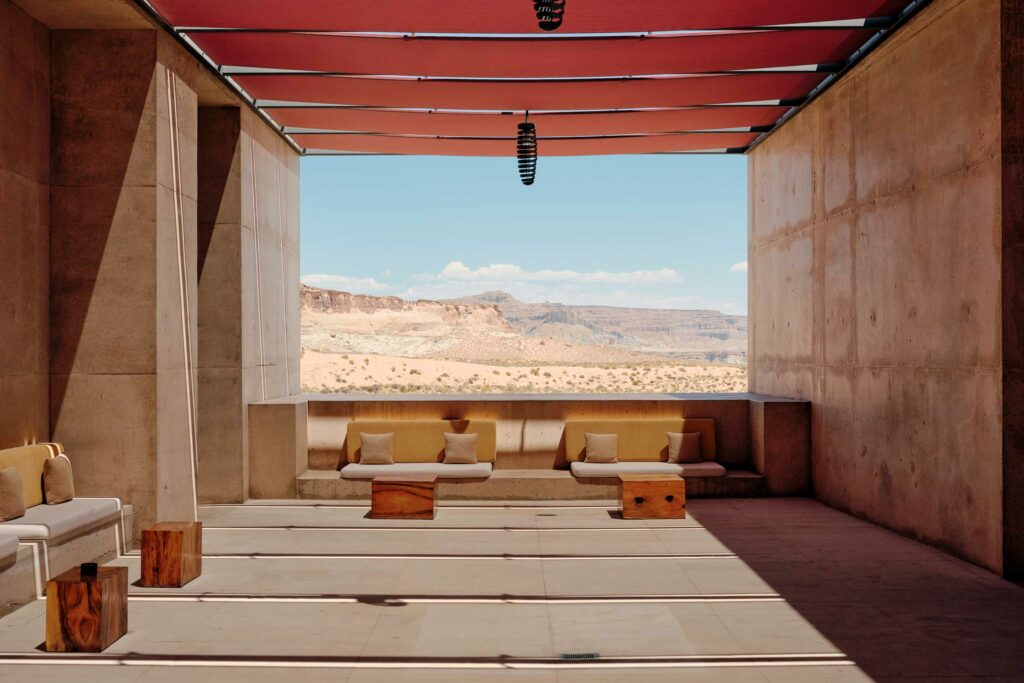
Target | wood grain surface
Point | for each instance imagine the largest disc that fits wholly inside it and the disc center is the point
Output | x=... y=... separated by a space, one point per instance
x=86 y=614
x=652 y=496
x=412 y=498
x=172 y=554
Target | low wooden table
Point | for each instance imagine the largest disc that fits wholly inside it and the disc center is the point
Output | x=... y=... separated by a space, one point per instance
x=403 y=497
x=172 y=554
x=652 y=496
x=86 y=614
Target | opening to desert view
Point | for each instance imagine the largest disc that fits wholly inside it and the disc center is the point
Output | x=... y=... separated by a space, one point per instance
x=463 y=281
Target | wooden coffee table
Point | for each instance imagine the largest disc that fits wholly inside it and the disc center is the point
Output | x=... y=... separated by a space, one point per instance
x=652 y=496
x=403 y=497
x=172 y=554
x=86 y=613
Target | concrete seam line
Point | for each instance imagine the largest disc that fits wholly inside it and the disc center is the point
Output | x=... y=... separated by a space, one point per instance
x=259 y=279
x=179 y=228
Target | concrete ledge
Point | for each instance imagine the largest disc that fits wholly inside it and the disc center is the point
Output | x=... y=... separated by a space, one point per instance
x=525 y=485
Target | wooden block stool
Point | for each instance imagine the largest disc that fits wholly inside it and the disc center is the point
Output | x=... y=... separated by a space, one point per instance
x=172 y=554
x=652 y=496
x=86 y=613
x=403 y=497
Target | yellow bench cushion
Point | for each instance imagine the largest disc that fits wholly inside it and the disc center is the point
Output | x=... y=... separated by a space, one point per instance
x=423 y=440
x=639 y=440
x=28 y=460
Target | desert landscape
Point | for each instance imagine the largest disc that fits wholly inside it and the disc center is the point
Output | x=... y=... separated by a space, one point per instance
x=492 y=343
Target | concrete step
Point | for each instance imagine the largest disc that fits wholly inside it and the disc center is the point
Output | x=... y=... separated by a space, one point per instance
x=527 y=485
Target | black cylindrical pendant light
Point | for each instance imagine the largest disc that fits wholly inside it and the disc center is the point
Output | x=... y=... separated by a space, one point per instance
x=549 y=13
x=526 y=152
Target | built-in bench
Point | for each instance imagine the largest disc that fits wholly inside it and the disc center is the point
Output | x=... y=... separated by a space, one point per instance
x=642 y=447
x=419 y=448
x=63 y=535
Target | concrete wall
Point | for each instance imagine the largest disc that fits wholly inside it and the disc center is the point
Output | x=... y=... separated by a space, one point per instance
x=248 y=288
x=122 y=264
x=875 y=280
x=1013 y=285
x=24 y=227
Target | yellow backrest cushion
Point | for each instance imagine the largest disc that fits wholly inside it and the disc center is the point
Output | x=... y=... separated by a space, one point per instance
x=639 y=439
x=423 y=440
x=28 y=460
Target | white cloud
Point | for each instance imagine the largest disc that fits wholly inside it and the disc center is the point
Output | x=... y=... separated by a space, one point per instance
x=356 y=285
x=740 y=267
x=507 y=272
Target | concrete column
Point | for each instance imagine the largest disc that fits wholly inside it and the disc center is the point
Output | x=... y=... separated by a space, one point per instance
x=123 y=264
x=24 y=227
x=248 y=288
x=223 y=469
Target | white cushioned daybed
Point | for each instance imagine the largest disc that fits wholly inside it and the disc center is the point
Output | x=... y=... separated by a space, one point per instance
x=642 y=447
x=419 y=448
x=52 y=522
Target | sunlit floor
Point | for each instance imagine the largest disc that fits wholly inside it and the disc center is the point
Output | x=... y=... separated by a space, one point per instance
x=742 y=590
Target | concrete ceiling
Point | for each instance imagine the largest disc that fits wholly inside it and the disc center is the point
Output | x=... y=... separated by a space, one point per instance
x=85 y=14
x=62 y=15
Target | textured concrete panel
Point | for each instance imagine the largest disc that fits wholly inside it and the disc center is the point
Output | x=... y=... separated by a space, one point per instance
x=123 y=267
x=248 y=288
x=1013 y=284
x=894 y=332
x=24 y=227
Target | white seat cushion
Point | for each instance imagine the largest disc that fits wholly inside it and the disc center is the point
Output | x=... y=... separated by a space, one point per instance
x=480 y=470
x=8 y=547
x=593 y=470
x=54 y=521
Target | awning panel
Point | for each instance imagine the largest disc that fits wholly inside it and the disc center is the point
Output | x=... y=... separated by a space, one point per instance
x=531 y=57
x=382 y=144
x=499 y=125
x=511 y=16
x=535 y=96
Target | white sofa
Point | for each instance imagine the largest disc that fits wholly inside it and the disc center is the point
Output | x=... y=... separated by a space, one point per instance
x=64 y=535
x=54 y=522
x=595 y=470
x=642 y=447
x=419 y=448
x=480 y=470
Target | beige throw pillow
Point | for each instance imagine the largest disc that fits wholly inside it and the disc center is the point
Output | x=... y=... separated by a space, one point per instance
x=683 y=447
x=377 y=449
x=12 y=498
x=460 y=449
x=602 y=447
x=58 y=483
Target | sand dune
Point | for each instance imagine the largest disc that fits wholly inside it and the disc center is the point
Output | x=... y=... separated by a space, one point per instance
x=377 y=374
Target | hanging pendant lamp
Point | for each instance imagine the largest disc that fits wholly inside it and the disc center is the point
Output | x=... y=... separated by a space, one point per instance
x=526 y=151
x=549 y=13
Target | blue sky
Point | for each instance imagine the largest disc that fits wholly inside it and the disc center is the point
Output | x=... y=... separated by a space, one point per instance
x=645 y=231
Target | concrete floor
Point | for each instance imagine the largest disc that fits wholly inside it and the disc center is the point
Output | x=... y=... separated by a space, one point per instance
x=742 y=590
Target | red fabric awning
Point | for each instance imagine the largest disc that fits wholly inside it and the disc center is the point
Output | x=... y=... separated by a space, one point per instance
x=382 y=144
x=470 y=68
x=511 y=16
x=497 y=125
x=535 y=96
x=532 y=57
